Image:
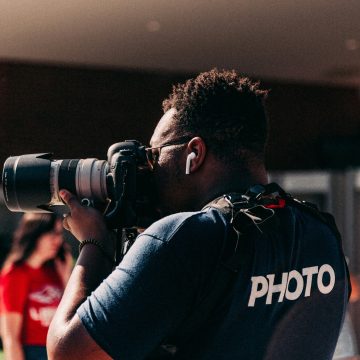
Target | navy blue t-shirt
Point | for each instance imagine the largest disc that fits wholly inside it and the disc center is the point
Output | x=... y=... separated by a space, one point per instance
x=287 y=301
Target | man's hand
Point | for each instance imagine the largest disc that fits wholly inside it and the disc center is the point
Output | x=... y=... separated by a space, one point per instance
x=83 y=222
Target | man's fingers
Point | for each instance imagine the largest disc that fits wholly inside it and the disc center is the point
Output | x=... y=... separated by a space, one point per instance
x=70 y=200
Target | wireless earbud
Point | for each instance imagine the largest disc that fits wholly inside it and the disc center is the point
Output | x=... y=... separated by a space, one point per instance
x=188 y=162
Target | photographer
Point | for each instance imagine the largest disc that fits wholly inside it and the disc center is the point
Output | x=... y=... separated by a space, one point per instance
x=251 y=275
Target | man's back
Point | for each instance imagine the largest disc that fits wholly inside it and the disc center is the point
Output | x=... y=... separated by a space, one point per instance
x=290 y=296
x=170 y=271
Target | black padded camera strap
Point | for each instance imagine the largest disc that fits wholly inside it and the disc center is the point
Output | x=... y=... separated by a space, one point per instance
x=250 y=214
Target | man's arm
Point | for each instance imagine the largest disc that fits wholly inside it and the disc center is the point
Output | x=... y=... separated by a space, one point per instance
x=64 y=267
x=67 y=337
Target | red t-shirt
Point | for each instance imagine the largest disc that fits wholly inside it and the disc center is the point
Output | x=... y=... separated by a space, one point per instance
x=34 y=293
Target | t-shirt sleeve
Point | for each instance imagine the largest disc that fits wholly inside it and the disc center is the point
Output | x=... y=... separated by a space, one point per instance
x=149 y=294
x=14 y=289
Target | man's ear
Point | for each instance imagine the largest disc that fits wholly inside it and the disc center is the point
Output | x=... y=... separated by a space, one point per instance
x=196 y=154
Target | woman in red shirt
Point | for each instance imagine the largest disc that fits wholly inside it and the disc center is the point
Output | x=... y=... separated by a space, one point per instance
x=32 y=282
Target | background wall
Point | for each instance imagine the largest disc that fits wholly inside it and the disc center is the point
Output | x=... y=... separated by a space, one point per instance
x=80 y=112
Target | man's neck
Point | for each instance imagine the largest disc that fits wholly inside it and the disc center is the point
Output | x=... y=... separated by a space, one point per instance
x=231 y=183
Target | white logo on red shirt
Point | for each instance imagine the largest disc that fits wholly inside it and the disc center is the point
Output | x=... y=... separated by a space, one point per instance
x=47 y=295
x=43 y=304
x=44 y=315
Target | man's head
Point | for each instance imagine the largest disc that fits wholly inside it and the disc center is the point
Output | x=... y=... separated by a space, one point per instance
x=224 y=109
x=219 y=116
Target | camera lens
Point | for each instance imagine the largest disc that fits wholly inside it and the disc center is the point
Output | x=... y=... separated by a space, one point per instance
x=31 y=183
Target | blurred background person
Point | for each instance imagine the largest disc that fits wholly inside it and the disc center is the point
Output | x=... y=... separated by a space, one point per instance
x=31 y=285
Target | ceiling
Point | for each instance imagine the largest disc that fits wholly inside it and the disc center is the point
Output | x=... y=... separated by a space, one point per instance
x=315 y=41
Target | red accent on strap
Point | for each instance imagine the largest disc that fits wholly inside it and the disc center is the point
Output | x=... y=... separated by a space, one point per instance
x=281 y=204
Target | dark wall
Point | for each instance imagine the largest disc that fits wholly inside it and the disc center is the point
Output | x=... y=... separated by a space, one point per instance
x=78 y=112
x=313 y=127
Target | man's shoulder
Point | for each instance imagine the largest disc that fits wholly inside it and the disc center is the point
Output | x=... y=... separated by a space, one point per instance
x=197 y=223
x=309 y=217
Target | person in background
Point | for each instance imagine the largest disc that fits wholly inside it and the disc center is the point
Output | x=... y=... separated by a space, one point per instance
x=32 y=281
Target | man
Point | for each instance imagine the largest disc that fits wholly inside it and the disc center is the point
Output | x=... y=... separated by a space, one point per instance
x=265 y=281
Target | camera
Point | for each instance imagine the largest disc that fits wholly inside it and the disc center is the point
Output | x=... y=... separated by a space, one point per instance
x=120 y=185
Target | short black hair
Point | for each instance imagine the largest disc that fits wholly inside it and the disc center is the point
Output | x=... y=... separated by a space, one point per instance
x=225 y=109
